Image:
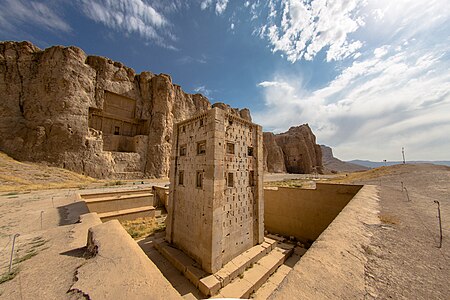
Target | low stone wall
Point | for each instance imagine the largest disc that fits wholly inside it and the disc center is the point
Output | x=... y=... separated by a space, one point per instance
x=334 y=266
x=305 y=213
x=161 y=195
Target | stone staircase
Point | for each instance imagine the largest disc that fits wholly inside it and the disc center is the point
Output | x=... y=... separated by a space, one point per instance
x=254 y=277
x=242 y=276
x=122 y=205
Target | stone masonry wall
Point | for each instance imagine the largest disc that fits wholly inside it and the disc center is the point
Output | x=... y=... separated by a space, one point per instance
x=216 y=198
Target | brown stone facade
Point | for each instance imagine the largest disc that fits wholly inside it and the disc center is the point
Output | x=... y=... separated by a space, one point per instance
x=216 y=205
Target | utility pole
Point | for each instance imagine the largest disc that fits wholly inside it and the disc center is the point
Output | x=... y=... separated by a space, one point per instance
x=403 y=154
x=12 y=252
x=42 y=212
x=440 y=223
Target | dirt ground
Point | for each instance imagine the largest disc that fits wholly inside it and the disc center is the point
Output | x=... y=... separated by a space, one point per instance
x=404 y=259
x=49 y=271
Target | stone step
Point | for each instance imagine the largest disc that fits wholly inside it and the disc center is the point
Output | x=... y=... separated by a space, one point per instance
x=114 y=193
x=276 y=237
x=254 y=277
x=276 y=278
x=272 y=283
x=210 y=284
x=128 y=214
x=234 y=268
x=120 y=202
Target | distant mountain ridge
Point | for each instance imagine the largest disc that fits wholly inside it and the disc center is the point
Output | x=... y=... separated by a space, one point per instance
x=377 y=164
x=333 y=164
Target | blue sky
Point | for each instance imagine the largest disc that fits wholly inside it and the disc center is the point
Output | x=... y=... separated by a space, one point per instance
x=369 y=76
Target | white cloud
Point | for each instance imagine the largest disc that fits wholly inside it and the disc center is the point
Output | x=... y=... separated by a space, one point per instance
x=377 y=105
x=186 y=59
x=232 y=26
x=131 y=16
x=395 y=93
x=169 y=6
x=381 y=51
x=301 y=29
x=203 y=90
x=205 y=4
x=219 y=7
x=36 y=13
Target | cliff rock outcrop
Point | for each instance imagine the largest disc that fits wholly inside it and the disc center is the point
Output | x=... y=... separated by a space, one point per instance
x=294 y=151
x=333 y=165
x=273 y=155
x=88 y=114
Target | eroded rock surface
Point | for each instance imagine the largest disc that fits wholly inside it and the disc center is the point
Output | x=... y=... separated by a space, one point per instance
x=294 y=151
x=273 y=155
x=54 y=110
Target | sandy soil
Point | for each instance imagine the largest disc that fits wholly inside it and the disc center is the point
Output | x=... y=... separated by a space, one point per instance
x=404 y=260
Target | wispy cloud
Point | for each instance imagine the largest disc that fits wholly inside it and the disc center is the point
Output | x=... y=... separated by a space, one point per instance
x=393 y=93
x=170 y=6
x=203 y=90
x=219 y=5
x=34 y=13
x=186 y=59
x=131 y=16
x=375 y=105
x=301 y=29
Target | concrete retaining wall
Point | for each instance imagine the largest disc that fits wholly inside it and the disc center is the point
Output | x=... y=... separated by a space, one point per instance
x=334 y=266
x=305 y=213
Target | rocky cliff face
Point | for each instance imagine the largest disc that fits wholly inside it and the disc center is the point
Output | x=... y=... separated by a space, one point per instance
x=47 y=97
x=333 y=165
x=273 y=155
x=294 y=151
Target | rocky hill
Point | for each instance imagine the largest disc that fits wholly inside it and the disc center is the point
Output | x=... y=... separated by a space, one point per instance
x=97 y=117
x=332 y=164
x=89 y=114
x=294 y=151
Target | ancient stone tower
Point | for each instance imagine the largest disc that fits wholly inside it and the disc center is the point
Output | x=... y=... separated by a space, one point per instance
x=216 y=205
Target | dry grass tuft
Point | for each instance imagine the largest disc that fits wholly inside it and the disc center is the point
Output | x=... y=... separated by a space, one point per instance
x=142 y=227
x=388 y=219
x=7 y=276
x=365 y=175
x=24 y=176
x=292 y=183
